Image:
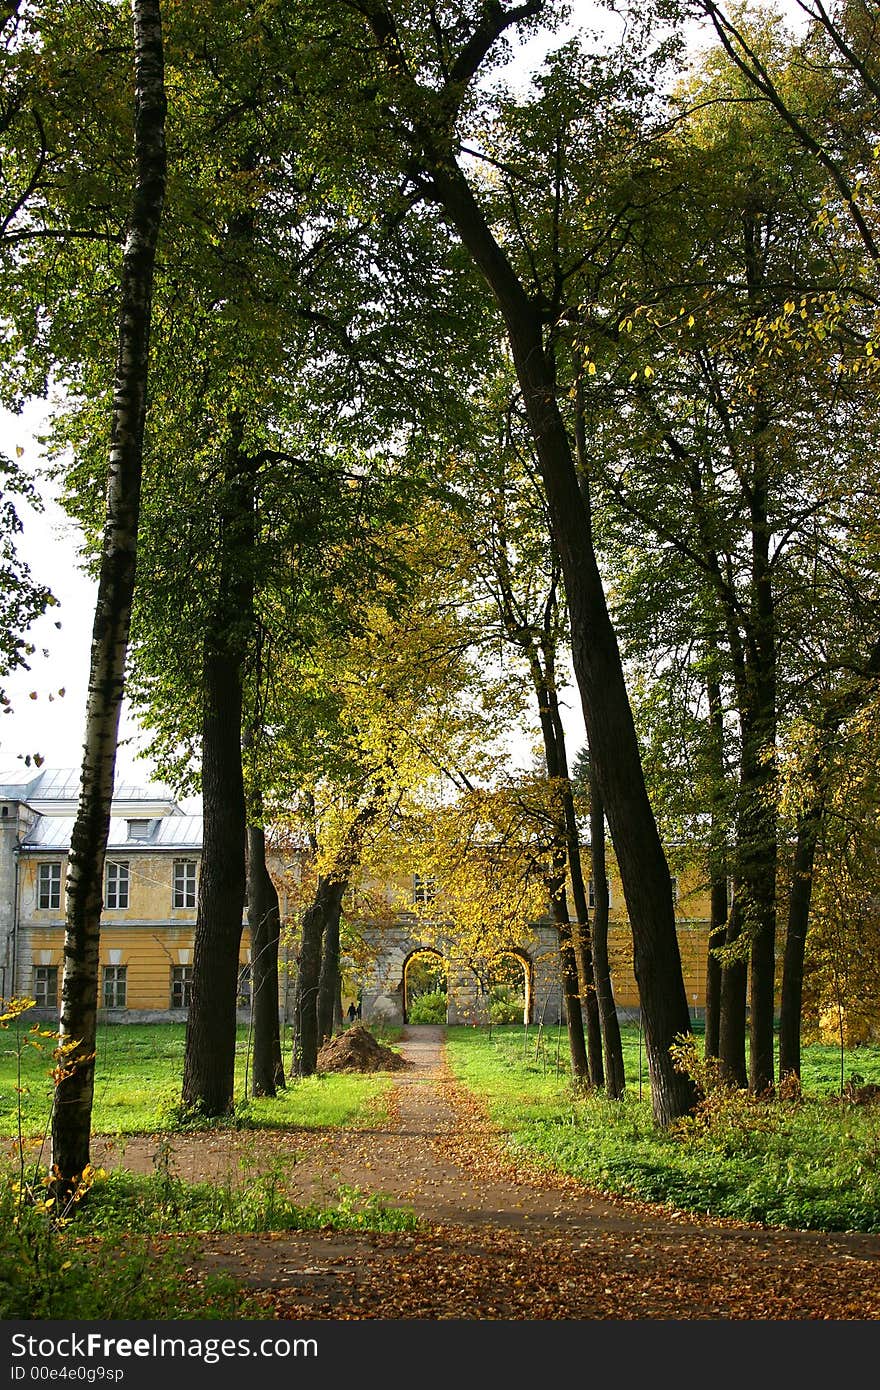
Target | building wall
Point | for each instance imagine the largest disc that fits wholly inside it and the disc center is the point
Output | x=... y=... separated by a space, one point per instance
x=149 y=937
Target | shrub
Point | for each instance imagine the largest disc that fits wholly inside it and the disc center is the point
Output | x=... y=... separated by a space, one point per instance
x=429 y=1007
x=505 y=1006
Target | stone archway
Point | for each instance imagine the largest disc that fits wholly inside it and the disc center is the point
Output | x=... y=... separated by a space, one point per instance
x=391 y=945
x=415 y=955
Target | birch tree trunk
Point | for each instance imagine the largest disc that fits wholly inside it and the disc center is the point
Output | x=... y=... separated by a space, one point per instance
x=72 y=1109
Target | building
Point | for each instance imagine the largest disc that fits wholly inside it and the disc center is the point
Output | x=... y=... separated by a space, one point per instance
x=151 y=876
x=150 y=895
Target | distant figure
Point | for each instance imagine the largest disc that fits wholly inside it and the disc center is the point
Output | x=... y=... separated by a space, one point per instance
x=353 y=1012
x=358 y=1009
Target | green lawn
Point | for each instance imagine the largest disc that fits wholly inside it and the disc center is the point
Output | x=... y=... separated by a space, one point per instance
x=810 y=1165
x=137 y=1084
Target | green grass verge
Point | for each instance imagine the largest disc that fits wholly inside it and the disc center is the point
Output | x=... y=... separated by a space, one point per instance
x=813 y=1165
x=112 y=1246
x=106 y=1261
x=137 y=1085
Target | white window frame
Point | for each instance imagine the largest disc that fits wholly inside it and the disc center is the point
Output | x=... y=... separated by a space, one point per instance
x=43 y=974
x=117 y=885
x=49 y=885
x=114 y=976
x=185 y=883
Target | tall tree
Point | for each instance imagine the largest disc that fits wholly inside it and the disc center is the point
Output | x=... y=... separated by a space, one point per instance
x=71 y=1115
x=425 y=94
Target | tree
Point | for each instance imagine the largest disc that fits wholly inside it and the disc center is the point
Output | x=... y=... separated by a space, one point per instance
x=501 y=516
x=723 y=349
x=425 y=96
x=71 y=1115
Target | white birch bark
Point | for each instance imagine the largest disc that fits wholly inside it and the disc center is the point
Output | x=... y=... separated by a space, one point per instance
x=72 y=1111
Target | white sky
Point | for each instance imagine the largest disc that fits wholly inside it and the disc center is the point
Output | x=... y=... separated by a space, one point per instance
x=53 y=727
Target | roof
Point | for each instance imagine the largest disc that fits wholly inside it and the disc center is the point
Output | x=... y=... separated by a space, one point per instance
x=55 y=792
x=172 y=832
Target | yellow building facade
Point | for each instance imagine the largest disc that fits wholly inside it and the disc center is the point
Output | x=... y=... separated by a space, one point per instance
x=151 y=879
x=151 y=876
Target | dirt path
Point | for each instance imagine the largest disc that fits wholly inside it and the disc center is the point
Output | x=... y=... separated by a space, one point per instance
x=500 y=1242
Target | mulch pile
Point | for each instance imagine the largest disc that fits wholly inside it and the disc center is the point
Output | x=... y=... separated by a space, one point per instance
x=357 y=1050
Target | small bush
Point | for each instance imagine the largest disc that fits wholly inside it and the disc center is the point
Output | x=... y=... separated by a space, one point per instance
x=47 y=1271
x=429 y=1007
x=505 y=1006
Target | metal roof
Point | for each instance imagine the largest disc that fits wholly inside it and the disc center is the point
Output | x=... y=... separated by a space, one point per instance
x=171 y=832
x=44 y=786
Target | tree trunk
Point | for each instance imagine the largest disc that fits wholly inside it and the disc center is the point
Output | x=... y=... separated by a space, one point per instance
x=717 y=867
x=568 y=970
x=717 y=928
x=597 y=663
x=615 y=1079
x=326 y=906
x=581 y=930
x=795 y=941
x=325 y=909
x=264 y=921
x=329 y=981
x=757 y=852
x=209 y=1060
x=72 y=1108
x=543 y=682
x=732 y=1017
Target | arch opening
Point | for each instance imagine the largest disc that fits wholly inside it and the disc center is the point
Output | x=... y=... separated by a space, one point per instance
x=425 y=986
x=510 y=988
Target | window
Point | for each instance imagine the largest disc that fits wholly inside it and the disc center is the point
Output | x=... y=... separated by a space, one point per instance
x=49 y=885
x=46 y=986
x=139 y=829
x=116 y=892
x=184 y=883
x=115 y=978
x=181 y=986
x=424 y=889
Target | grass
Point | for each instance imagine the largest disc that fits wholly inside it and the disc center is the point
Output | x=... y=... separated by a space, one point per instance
x=114 y=1247
x=812 y=1165
x=110 y=1262
x=137 y=1085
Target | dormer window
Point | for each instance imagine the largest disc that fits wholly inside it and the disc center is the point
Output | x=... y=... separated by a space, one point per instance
x=139 y=829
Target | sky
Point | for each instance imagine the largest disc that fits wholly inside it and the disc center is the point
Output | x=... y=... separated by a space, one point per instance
x=51 y=725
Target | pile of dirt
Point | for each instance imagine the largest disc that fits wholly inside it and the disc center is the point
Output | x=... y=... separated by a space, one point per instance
x=357 y=1050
